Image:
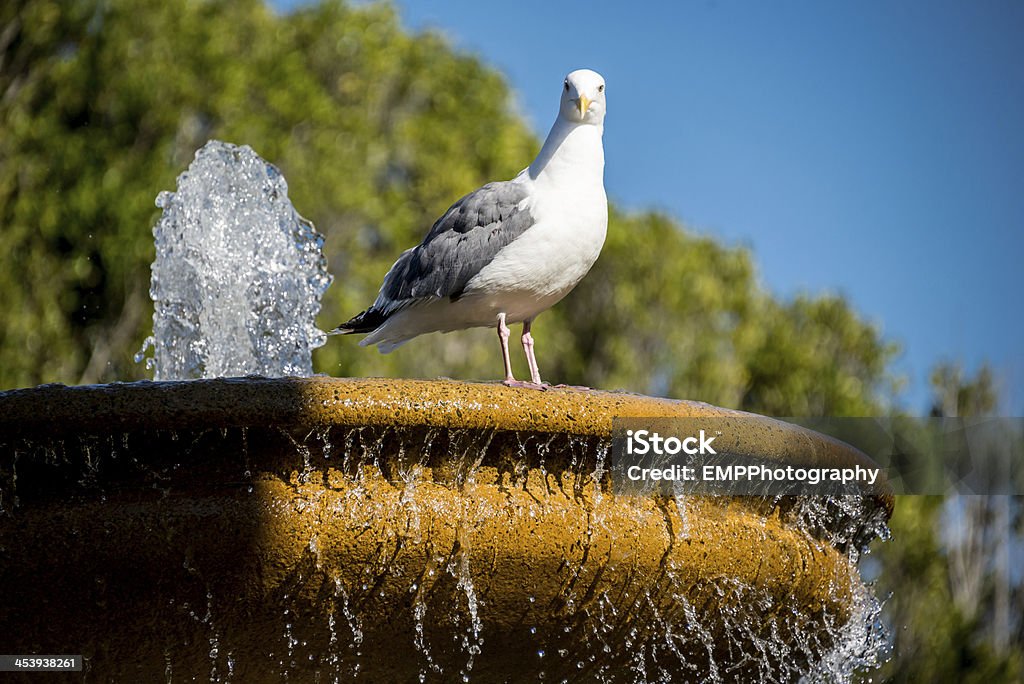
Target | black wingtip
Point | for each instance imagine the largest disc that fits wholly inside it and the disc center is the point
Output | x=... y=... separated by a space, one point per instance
x=365 y=322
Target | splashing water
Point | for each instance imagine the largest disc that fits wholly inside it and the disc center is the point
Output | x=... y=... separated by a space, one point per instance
x=238 y=273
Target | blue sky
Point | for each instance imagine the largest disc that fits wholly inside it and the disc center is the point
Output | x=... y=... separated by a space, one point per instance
x=874 y=149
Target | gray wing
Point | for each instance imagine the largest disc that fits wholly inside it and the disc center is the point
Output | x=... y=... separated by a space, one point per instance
x=458 y=246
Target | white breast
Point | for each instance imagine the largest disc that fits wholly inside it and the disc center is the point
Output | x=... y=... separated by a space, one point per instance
x=568 y=204
x=547 y=261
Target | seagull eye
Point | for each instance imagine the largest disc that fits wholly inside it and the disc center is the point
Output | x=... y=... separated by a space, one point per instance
x=566 y=85
x=600 y=88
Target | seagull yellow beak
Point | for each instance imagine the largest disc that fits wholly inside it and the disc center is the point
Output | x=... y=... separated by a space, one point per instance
x=583 y=104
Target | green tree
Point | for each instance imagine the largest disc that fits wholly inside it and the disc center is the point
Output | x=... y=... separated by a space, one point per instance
x=816 y=357
x=954 y=609
x=956 y=395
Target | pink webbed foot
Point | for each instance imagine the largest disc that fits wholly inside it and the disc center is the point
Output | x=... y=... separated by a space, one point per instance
x=524 y=384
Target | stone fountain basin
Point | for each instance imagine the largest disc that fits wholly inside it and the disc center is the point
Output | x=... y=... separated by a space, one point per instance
x=255 y=528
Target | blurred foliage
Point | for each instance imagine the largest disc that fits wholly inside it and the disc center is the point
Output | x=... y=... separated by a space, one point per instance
x=956 y=603
x=102 y=104
x=956 y=395
x=935 y=639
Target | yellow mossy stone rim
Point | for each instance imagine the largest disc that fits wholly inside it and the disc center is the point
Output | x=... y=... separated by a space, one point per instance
x=326 y=401
x=243 y=498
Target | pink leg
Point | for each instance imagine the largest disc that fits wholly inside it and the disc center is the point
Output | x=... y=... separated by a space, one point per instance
x=510 y=381
x=531 y=360
x=503 y=335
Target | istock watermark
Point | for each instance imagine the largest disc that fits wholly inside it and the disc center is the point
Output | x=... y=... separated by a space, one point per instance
x=762 y=457
x=642 y=442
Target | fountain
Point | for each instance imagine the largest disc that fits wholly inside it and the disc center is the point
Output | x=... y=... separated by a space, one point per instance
x=325 y=529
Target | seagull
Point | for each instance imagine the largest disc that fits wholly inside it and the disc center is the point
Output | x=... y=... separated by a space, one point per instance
x=510 y=250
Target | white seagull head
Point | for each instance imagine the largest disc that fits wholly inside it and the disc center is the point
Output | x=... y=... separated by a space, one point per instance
x=583 y=97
